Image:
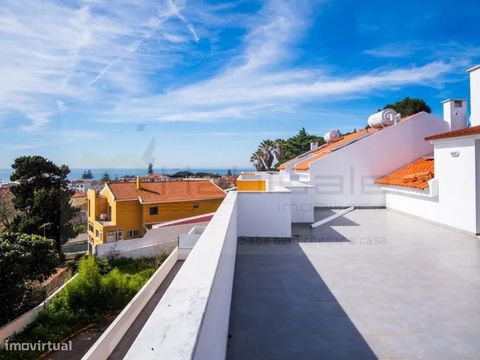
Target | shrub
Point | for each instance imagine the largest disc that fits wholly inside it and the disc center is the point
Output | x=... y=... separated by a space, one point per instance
x=88 y=299
x=80 y=229
x=104 y=266
x=24 y=259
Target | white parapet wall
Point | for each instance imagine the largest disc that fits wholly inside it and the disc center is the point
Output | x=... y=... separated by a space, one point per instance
x=17 y=325
x=191 y=319
x=155 y=242
x=186 y=242
x=302 y=202
x=104 y=346
x=265 y=214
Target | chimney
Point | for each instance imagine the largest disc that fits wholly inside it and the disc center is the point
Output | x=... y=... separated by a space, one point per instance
x=313 y=145
x=474 y=95
x=455 y=113
x=138 y=183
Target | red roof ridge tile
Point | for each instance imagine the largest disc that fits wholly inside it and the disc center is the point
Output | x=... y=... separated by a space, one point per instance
x=474 y=130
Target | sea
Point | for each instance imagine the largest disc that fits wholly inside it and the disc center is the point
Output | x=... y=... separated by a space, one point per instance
x=117 y=172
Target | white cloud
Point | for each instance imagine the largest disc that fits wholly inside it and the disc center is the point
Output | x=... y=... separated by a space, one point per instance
x=393 y=50
x=176 y=9
x=53 y=51
x=259 y=80
x=449 y=51
x=55 y=138
x=99 y=57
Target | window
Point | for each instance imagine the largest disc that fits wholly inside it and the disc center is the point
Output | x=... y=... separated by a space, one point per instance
x=196 y=205
x=133 y=233
x=154 y=210
x=457 y=103
x=97 y=234
x=120 y=235
x=89 y=207
x=90 y=227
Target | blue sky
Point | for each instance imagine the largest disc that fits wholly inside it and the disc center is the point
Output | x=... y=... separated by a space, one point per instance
x=199 y=84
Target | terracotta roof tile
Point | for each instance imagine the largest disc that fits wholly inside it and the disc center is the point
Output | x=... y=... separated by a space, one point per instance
x=168 y=191
x=79 y=194
x=414 y=175
x=474 y=130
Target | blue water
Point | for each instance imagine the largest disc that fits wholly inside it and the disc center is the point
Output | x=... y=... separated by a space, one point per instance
x=98 y=173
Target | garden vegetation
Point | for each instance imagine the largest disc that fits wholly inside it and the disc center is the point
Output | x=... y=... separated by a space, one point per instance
x=100 y=290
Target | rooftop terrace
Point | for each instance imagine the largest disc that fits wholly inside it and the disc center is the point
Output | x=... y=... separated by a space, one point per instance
x=370 y=284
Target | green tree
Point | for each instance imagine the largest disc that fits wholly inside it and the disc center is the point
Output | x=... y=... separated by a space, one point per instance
x=42 y=196
x=150 y=169
x=23 y=259
x=7 y=210
x=299 y=144
x=87 y=175
x=106 y=176
x=282 y=150
x=409 y=106
x=182 y=174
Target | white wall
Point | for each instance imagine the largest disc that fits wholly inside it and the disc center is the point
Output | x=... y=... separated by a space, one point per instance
x=415 y=205
x=456 y=204
x=477 y=185
x=302 y=206
x=264 y=214
x=456 y=180
x=213 y=336
x=475 y=95
x=192 y=316
x=346 y=177
x=155 y=242
x=456 y=117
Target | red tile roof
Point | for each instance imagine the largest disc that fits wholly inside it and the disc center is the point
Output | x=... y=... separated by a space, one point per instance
x=5 y=191
x=155 y=177
x=79 y=194
x=414 y=175
x=168 y=191
x=474 y=130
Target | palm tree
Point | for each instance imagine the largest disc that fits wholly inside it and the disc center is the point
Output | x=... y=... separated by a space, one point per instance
x=257 y=160
x=278 y=150
x=267 y=148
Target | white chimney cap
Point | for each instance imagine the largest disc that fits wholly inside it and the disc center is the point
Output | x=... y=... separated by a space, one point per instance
x=449 y=100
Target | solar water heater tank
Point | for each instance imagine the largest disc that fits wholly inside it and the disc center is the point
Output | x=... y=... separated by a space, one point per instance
x=383 y=118
x=331 y=136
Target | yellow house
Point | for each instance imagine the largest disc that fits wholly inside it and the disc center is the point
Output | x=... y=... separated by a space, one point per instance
x=126 y=210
